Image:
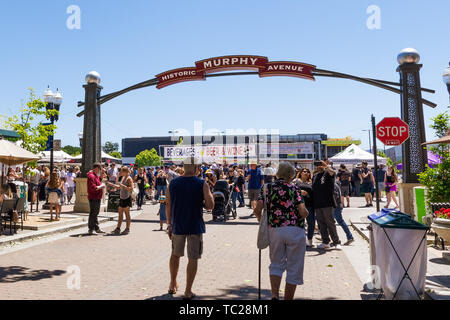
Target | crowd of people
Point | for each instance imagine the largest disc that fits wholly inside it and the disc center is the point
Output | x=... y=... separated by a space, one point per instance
x=299 y=202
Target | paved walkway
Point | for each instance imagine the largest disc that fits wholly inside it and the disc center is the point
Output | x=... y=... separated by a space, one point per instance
x=136 y=266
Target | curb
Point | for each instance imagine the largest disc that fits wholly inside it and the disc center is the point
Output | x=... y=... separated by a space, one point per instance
x=364 y=236
x=62 y=229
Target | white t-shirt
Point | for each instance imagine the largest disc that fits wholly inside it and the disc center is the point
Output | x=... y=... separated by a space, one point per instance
x=269 y=171
x=70 y=177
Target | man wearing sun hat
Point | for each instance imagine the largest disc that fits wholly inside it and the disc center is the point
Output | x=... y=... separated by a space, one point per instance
x=255 y=182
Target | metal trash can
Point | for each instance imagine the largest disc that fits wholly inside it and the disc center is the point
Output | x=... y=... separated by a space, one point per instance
x=400 y=253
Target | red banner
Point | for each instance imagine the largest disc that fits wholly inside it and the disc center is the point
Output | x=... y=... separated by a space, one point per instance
x=288 y=68
x=228 y=63
x=178 y=75
x=241 y=62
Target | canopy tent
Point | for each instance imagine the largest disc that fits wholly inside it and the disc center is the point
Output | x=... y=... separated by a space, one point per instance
x=104 y=156
x=443 y=140
x=11 y=154
x=58 y=157
x=354 y=155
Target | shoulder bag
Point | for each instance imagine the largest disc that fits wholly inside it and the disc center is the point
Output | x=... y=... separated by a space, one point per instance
x=263 y=232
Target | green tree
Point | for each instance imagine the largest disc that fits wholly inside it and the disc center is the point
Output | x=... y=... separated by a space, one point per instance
x=437 y=179
x=148 y=158
x=29 y=125
x=73 y=151
x=389 y=161
x=116 y=154
x=110 y=147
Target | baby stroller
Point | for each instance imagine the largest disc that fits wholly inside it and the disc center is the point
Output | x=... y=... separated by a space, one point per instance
x=222 y=201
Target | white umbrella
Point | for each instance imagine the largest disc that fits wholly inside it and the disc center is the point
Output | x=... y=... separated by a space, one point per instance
x=12 y=155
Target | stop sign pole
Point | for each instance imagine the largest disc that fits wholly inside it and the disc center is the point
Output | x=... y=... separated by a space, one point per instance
x=375 y=161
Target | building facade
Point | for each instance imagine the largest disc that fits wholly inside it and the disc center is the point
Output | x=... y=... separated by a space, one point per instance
x=300 y=149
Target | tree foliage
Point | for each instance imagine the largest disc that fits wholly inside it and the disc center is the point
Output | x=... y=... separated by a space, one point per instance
x=116 y=154
x=148 y=158
x=29 y=124
x=437 y=179
x=110 y=147
x=73 y=151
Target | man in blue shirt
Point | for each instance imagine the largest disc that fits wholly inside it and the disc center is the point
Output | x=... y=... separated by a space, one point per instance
x=255 y=182
x=185 y=198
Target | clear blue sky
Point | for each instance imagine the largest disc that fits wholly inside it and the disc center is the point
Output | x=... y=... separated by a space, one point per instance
x=131 y=41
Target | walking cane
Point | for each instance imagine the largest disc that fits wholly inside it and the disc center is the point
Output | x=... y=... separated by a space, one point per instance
x=259 y=277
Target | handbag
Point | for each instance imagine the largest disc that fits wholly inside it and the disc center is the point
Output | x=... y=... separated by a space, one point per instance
x=263 y=231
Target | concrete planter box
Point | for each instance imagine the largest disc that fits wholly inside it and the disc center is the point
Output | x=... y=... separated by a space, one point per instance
x=442 y=228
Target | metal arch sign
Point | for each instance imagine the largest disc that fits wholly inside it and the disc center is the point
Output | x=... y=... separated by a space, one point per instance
x=261 y=64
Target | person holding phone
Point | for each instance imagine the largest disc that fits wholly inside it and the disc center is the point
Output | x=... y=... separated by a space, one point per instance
x=126 y=186
x=324 y=204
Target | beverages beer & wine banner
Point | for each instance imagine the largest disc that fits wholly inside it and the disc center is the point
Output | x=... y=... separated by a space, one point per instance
x=240 y=62
x=210 y=153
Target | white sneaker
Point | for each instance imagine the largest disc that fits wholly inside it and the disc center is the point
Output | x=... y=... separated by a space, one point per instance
x=309 y=243
x=324 y=246
x=337 y=247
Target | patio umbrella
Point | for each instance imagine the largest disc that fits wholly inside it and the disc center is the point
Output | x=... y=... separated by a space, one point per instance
x=12 y=155
x=443 y=140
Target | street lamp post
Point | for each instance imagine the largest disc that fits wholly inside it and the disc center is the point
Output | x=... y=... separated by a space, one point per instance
x=53 y=102
x=370 y=143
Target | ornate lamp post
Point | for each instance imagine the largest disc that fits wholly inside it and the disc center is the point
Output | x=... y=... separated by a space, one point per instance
x=91 y=148
x=415 y=156
x=54 y=102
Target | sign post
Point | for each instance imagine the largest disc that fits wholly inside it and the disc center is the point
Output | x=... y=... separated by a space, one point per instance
x=392 y=132
x=375 y=161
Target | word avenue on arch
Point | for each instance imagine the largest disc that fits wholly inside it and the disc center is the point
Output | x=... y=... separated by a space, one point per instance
x=238 y=62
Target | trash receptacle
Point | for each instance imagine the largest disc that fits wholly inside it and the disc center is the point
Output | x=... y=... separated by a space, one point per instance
x=113 y=202
x=400 y=253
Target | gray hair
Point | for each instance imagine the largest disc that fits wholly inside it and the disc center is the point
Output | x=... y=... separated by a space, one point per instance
x=286 y=171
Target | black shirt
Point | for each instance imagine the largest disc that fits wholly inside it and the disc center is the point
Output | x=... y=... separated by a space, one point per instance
x=323 y=190
x=344 y=177
x=355 y=174
x=309 y=202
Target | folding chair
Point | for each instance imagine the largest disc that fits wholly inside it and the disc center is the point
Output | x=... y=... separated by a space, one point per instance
x=20 y=208
x=8 y=207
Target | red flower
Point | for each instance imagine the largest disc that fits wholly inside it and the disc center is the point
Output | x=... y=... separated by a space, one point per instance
x=448 y=215
x=442 y=210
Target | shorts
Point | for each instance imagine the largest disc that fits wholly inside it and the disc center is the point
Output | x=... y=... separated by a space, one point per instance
x=253 y=194
x=368 y=186
x=125 y=203
x=381 y=186
x=194 y=245
x=345 y=190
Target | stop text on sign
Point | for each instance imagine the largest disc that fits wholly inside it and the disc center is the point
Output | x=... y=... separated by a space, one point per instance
x=239 y=62
x=392 y=131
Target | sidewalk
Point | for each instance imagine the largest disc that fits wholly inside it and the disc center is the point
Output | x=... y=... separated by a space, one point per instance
x=38 y=225
x=438 y=269
x=136 y=266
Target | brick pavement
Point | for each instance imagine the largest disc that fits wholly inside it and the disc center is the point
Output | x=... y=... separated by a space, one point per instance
x=136 y=266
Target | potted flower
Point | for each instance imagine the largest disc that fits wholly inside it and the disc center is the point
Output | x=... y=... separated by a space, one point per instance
x=441 y=223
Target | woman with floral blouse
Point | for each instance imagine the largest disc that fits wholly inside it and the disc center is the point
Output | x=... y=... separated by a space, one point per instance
x=286 y=215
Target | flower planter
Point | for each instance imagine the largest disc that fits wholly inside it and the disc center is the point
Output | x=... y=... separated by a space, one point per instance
x=442 y=228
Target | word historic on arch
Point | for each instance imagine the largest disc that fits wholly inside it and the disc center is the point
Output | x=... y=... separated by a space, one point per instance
x=239 y=62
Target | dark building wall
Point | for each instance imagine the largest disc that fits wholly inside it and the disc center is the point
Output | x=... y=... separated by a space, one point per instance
x=131 y=147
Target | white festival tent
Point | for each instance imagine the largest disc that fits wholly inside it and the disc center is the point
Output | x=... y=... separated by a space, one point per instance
x=354 y=155
x=104 y=156
x=58 y=157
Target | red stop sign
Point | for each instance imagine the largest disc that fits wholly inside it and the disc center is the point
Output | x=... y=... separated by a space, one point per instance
x=392 y=131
